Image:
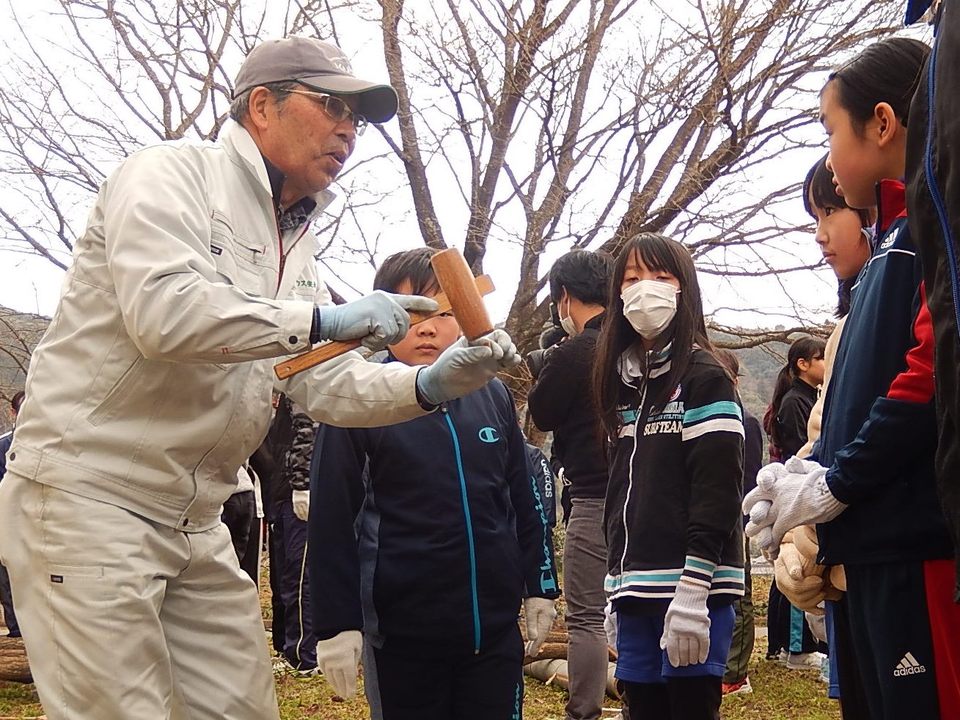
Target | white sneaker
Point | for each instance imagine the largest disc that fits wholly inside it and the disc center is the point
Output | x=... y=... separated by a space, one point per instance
x=805 y=661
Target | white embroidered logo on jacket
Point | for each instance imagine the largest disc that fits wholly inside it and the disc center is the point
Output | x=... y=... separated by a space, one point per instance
x=908 y=666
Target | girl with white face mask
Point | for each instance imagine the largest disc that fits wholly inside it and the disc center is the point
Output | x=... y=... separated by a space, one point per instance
x=672 y=515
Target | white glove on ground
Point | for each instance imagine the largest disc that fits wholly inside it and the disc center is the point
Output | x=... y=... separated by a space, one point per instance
x=301 y=504
x=783 y=500
x=338 y=659
x=380 y=319
x=540 y=614
x=686 y=627
x=464 y=367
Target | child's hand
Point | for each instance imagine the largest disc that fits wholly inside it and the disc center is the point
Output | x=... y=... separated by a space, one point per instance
x=540 y=614
x=686 y=627
x=338 y=659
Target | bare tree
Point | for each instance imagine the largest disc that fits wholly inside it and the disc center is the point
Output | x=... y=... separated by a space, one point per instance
x=19 y=334
x=533 y=125
x=100 y=79
x=584 y=122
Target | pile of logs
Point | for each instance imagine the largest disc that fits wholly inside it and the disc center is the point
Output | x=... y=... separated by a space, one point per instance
x=13 y=660
x=550 y=665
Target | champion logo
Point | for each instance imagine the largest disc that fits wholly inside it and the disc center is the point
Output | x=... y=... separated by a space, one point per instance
x=908 y=666
x=488 y=435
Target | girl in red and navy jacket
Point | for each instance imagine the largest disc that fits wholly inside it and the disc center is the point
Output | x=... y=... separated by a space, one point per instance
x=672 y=515
x=871 y=485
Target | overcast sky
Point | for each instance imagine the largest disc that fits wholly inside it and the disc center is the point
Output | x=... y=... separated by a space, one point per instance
x=32 y=284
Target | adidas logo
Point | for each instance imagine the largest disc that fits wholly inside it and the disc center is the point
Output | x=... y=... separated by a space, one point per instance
x=890 y=240
x=908 y=666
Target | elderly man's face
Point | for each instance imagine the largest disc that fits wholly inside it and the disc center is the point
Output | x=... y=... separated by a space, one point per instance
x=305 y=143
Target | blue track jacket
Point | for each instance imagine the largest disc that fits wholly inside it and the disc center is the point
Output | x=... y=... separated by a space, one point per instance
x=879 y=430
x=427 y=535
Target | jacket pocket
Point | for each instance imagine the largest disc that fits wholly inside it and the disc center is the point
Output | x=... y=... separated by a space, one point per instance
x=121 y=390
x=242 y=262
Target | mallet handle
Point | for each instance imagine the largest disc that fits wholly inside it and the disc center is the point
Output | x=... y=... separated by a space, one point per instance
x=330 y=350
x=457 y=282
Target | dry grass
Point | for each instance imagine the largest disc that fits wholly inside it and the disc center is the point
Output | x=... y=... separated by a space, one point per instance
x=779 y=694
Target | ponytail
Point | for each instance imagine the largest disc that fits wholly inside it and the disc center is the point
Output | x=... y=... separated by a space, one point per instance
x=804 y=348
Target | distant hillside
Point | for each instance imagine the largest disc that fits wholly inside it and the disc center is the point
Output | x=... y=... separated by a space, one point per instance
x=759 y=367
x=20 y=332
x=19 y=335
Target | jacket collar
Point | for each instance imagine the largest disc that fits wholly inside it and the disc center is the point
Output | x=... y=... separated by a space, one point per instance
x=804 y=388
x=595 y=322
x=633 y=362
x=240 y=145
x=891 y=204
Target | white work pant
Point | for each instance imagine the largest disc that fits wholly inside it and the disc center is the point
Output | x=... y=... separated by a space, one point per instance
x=125 y=619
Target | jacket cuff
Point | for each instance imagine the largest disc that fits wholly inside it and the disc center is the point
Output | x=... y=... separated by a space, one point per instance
x=698 y=571
x=297 y=325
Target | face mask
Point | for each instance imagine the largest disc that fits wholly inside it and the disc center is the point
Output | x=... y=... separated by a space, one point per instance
x=567 y=323
x=649 y=306
x=869 y=233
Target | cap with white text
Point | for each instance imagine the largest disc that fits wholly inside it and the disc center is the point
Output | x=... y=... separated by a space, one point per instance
x=319 y=65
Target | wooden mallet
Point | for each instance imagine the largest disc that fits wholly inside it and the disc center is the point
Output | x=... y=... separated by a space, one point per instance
x=461 y=295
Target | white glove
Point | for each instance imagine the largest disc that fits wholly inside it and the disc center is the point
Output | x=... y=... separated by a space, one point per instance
x=686 y=627
x=540 y=614
x=783 y=500
x=464 y=367
x=338 y=658
x=798 y=465
x=380 y=319
x=301 y=504
x=817 y=623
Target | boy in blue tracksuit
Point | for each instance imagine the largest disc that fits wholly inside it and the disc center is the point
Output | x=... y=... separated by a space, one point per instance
x=425 y=538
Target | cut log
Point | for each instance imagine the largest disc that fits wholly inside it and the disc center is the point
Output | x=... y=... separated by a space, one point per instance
x=13 y=661
x=554 y=672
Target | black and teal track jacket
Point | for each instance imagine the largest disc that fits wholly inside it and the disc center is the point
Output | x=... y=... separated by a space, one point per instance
x=676 y=482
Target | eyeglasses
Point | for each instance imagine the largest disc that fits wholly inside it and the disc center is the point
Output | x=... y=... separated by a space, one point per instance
x=336 y=109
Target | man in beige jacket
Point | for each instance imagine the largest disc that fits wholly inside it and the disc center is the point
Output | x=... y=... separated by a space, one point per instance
x=153 y=384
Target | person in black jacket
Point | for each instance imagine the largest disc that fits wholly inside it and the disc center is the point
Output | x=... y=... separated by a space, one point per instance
x=673 y=523
x=560 y=401
x=425 y=537
x=735 y=679
x=283 y=460
x=794 y=396
x=933 y=198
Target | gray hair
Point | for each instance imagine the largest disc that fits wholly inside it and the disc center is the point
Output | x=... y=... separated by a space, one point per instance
x=240 y=107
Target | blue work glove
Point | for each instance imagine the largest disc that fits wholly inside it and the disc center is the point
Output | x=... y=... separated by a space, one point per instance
x=464 y=367
x=377 y=320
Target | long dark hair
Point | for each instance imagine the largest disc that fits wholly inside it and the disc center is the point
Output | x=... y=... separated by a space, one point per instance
x=819 y=191
x=804 y=348
x=687 y=328
x=888 y=71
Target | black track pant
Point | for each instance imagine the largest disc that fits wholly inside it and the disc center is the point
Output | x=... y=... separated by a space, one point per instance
x=890 y=628
x=679 y=698
x=486 y=686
